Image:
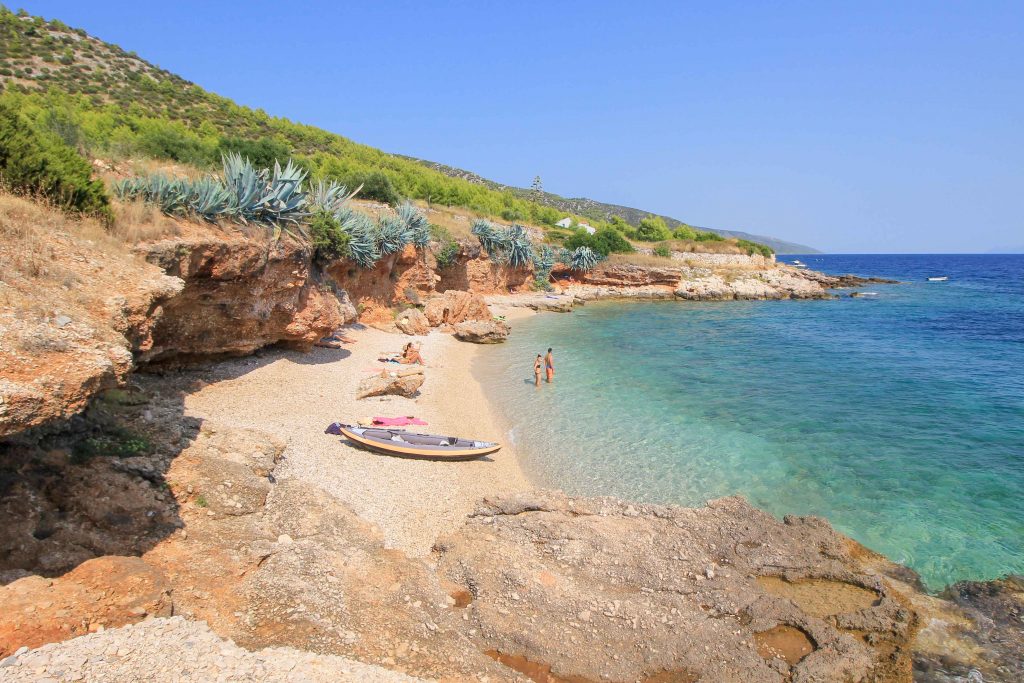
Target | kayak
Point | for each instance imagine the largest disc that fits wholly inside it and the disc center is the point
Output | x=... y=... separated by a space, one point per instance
x=408 y=445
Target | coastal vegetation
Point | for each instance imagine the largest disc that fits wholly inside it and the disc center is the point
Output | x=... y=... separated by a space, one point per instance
x=37 y=164
x=512 y=246
x=105 y=102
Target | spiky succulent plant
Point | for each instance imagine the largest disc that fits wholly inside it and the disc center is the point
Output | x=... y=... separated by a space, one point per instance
x=362 y=245
x=490 y=238
x=210 y=199
x=392 y=235
x=584 y=259
x=543 y=262
x=416 y=225
x=518 y=251
x=564 y=256
x=246 y=185
x=328 y=195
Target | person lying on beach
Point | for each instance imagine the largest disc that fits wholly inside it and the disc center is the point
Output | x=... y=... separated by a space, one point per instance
x=411 y=355
x=536 y=369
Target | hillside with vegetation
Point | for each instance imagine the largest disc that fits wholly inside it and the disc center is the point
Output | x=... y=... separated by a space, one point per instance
x=95 y=98
x=600 y=212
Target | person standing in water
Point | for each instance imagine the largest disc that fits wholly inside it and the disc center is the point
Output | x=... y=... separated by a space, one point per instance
x=549 y=364
x=537 y=364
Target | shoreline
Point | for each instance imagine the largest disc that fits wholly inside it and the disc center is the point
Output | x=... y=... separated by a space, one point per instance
x=414 y=502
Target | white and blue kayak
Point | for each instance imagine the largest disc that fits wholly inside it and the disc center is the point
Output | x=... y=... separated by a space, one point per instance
x=409 y=445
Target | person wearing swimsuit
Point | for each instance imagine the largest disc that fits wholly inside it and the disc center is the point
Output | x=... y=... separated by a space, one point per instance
x=536 y=370
x=549 y=364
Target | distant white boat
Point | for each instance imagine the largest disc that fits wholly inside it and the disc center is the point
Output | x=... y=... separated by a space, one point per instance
x=938 y=279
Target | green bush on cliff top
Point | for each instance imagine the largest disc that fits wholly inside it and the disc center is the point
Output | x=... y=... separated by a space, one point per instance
x=42 y=165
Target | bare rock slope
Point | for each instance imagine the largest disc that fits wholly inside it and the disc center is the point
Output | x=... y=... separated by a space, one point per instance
x=604 y=589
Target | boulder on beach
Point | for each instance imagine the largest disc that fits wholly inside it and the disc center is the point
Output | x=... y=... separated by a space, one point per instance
x=413 y=321
x=394 y=384
x=454 y=307
x=482 y=331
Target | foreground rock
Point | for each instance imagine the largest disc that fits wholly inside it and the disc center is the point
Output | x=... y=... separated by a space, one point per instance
x=174 y=650
x=482 y=331
x=602 y=589
x=402 y=383
x=74 y=307
x=118 y=590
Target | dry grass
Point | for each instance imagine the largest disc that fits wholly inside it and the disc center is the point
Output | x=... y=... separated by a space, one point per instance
x=728 y=246
x=642 y=260
x=137 y=221
x=27 y=228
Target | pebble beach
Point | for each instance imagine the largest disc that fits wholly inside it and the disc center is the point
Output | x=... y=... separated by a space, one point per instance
x=295 y=396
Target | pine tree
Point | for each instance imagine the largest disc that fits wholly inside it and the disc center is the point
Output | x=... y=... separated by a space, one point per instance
x=537 y=188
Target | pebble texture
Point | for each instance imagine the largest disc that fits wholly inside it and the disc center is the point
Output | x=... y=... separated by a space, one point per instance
x=175 y=650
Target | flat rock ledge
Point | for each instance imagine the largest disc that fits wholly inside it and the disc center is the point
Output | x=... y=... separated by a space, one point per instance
x=601 y=589
x=173 y=650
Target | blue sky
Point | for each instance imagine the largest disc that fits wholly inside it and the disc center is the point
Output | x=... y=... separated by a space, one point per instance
x=855 y=127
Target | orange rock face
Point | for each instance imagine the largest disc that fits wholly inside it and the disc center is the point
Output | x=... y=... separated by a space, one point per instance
x=455 y=307
x=240 y=295
x=107 y=591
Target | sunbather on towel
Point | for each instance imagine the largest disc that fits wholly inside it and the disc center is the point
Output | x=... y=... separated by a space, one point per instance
x=411 y=355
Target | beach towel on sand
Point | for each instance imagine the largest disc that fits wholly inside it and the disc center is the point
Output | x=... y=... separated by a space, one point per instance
x=397 y=421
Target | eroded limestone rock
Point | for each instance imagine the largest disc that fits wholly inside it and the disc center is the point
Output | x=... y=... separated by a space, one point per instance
x=454 y=307
x=482 y=331
x=406 y=384
x=604 y=589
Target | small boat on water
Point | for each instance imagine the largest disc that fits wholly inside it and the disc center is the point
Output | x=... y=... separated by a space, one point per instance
x=938 y=279
x=408 y=445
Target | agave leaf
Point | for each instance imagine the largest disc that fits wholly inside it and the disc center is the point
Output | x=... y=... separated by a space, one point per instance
x=416 y=225
x=392 y=235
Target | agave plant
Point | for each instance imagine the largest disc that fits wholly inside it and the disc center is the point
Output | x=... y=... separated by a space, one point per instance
x=210 y=199
x=284 y=198
x=246 y=185
x=329 y=196
x=362 y=245
x=543 y=262
x=392 y=235
x=518 y=251
x=584 y=259
x=416 y=225
x=490 y=238
x=129 y=189
x=564 y=256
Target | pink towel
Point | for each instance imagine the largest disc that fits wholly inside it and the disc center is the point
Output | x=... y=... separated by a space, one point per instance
x=397 y=421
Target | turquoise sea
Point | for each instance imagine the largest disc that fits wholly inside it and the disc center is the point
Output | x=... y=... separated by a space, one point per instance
x=899 y=417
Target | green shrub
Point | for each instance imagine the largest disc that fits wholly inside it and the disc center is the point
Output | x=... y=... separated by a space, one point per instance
x=327 y=238
x=684 y=232
x=38 y=163
x=708 y=236
x=263 y=152
x=653 y=229
x=113 y=442
x=376 y=186
x=755 y=248
x=605 y=241
x=663 y=252
x=448 y=248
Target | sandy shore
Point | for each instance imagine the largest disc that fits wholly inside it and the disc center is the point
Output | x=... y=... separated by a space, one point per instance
x=296 y=395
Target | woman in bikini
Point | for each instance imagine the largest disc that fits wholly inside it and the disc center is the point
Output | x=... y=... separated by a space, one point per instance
x=537 y=364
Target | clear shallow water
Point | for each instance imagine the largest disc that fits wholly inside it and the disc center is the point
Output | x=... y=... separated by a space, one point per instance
x=898 y=417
